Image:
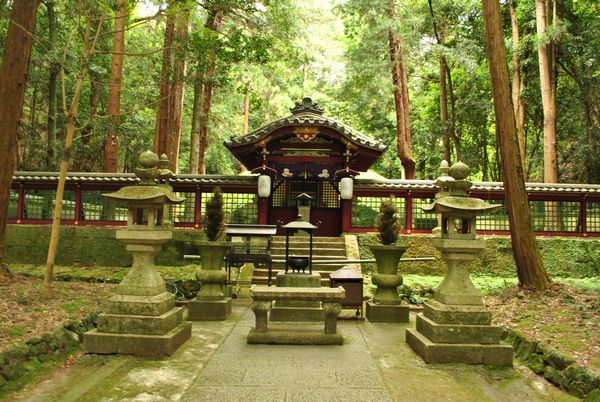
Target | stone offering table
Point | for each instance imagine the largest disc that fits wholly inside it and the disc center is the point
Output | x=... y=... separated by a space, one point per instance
x=263 y=297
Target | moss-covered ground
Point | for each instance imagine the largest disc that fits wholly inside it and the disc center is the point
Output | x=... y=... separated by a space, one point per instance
x=564 y=317
x=27 y=310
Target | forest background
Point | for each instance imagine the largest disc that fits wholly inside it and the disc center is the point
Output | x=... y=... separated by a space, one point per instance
x=195 y=73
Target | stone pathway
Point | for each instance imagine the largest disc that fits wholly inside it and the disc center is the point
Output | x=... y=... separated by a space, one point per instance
x=217 y=365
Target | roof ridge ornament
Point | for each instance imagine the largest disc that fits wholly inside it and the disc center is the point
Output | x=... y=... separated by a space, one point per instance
x=307 y=105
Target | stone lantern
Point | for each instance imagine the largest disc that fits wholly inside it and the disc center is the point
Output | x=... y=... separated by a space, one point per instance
x=455 y=327
x=141 y=317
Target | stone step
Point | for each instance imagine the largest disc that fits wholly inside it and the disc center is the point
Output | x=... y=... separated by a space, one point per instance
x=324 y=248
x=320 y=251
x=338 y=256
x=305 y=239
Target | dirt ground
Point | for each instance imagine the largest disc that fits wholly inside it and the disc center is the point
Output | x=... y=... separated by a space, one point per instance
x=27 y=310
x=564 y=317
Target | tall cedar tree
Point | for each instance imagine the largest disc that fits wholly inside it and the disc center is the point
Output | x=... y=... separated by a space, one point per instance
x=111 y=145
x=530 y=269
x=170 y=106
x=213 y=23
x=543 y=18
x=13 y=78
x=52 y=79
x=518 y=84
x=400 y=81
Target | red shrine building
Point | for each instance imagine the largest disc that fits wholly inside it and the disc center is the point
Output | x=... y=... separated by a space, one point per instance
x=311 y=154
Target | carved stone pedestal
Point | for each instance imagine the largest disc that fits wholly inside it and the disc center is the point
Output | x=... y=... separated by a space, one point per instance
x=141 y=318
x=455 y=327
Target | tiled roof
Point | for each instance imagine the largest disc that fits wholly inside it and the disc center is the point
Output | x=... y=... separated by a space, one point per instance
x=303 y=119
x=92 y=177
x=130 y=178
x=479 y=186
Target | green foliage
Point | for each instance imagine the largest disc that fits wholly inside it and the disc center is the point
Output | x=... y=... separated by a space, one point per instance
x=215 y=215
x=387 y=222
x=16 y=331
x=338 y=53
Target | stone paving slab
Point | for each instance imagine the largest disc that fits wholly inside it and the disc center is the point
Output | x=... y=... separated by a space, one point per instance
x=216 y=364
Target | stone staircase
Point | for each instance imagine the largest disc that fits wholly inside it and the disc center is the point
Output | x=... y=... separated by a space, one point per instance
x=330 y=248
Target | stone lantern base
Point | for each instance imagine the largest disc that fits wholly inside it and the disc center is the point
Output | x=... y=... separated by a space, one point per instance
x=458 y=334
x=139 y=325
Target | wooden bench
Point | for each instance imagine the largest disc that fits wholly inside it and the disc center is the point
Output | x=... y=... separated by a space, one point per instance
x=263 y=297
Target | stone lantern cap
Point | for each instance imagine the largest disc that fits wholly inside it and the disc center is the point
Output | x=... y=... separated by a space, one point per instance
x=150 y=170
x=453 y=197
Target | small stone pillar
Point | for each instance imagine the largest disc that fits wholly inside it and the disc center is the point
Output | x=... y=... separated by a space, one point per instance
x=141 y=318
x=455 y=327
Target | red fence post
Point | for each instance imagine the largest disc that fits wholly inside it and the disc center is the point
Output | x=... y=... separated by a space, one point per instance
x=408 y=212
x=263 y=210
x=583 y=215
x=21 y=202
x=346 y=215
x=77 y=203
x=197 y=207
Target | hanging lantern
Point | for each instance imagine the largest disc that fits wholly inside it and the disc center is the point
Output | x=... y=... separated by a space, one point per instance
x=346 y=187
x=264 y=186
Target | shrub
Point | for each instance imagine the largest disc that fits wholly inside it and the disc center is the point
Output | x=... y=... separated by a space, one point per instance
x=387 y=222
x=215 y=215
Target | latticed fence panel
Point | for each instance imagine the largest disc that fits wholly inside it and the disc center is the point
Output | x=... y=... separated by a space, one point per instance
x=495 y=221
x=555 y=216
x=13 y=205
x=186 y=211
x=422 y=220
x=95 y=207
x=239 y=207
x=365 y=210
x=39 y=204
x=593 y=216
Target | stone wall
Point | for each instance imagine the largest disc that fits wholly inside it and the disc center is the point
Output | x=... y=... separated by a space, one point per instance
x=88 y=245
x=563 y=257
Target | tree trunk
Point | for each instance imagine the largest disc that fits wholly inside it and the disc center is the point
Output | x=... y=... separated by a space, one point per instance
x=168 y=124
x=447 y=126
x=111 y=145
x=162 y=120
x=518 y=84
x=444 y=112
x=71 y=116
x=177 y=89
x=530 y=269
x=213 y=23
x=195 y=134
x=246 y=116
x=400 y=81
x=548 y=92
x=54 y=68
x=13 y=78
